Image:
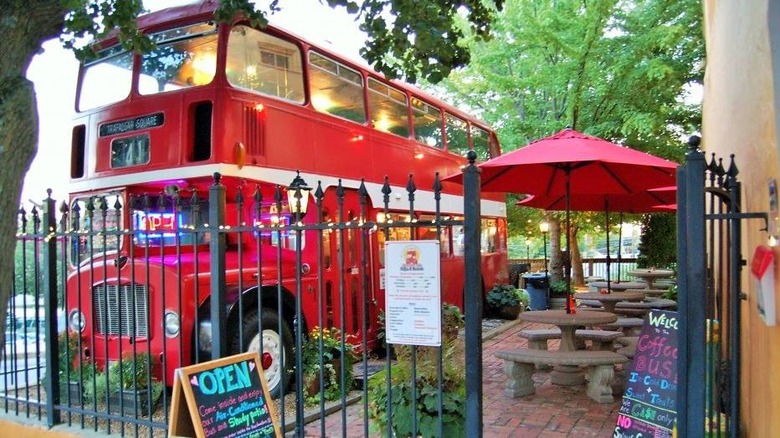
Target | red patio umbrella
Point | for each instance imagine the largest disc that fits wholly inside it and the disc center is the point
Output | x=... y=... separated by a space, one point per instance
x=572 y=163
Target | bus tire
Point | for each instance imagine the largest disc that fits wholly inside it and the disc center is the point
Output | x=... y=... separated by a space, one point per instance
x=274 y=345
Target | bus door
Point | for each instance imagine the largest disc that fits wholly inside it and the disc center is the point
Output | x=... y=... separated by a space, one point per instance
x=346 y=272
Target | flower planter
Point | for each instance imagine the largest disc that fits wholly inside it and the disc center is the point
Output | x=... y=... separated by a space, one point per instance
x=509 y=312
x=131 y=401
x=74 y=395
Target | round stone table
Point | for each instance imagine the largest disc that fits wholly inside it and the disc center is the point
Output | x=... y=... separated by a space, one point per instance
x=608 y=301
x=650 y=275
x=596 y=286
x=568 y=323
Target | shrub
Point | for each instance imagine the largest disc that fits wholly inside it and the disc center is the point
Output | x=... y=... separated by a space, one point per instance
x=506 y=295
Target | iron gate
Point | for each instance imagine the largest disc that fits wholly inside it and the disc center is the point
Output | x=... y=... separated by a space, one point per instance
x=709 y=240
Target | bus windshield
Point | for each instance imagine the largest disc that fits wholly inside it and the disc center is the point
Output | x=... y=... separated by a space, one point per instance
x=107 y=79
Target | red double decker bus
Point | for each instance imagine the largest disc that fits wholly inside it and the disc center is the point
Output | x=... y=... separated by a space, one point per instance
x=256 y=106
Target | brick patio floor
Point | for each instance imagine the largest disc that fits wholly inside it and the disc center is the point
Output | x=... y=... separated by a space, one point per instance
x=554 y=411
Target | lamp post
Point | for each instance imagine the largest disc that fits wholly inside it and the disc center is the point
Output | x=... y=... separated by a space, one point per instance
x=298 y=200
x=544 y=227
x=528 y=252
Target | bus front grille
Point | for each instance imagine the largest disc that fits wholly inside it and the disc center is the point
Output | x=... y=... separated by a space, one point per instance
x=121 y=309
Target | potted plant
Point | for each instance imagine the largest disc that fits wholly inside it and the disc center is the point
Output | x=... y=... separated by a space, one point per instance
x=558 y=294
x=453 y=389
x=324 y=356
x=507 y=301
x=127 y=386
x=75 y=369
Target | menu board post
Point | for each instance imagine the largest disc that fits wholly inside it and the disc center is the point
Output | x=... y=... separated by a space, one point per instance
x=227 y=397
x=649 y=403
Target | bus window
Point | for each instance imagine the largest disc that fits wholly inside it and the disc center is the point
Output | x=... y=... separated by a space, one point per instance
x=481 y=147
x=130 y=151
x=263 y=63
x=457 y=135
x=488 y=239
x=387 y=107
x=87 y=241
x=459 y=242
x=275 y=227
x=160 y=224
x=107 y=79
x=184 y=57
x=336 y=89
x=427 y=124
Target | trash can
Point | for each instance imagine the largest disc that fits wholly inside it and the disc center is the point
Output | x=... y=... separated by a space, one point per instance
x=538 y=287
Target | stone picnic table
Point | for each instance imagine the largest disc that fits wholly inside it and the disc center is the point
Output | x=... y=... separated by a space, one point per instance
x=568 y=323
x=609 y=301
x=650 y=275
x=595 y=286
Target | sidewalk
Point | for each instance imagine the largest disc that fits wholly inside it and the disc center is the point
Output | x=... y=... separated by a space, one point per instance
x=554 y=411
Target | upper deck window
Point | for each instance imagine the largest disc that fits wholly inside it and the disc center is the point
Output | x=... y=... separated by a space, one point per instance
x=388 y=108
x=457 y=135
x=336 y=89
x=107 y=79
x=481 y=143
x=184 y=57
x=427 y=124
x=263 y=63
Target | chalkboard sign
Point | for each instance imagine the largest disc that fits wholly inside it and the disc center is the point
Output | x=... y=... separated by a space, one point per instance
x=649 y=403
x=226 y=397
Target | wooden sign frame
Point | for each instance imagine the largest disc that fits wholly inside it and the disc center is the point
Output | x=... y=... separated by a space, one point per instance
x=185 y=414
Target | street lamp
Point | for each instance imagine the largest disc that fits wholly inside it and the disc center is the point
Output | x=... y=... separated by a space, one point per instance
x=298 y=197
x=544 y=227
x=528 y=252
x=298 y=200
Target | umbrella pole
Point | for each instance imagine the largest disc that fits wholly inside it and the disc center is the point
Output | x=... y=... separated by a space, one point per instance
x=620 y=243
x=567 y=258
x=606 y=209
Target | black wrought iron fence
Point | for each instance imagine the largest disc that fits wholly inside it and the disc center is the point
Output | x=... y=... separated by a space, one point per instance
x=114 y=291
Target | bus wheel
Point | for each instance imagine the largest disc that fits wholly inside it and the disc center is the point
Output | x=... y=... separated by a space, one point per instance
x=277 y=348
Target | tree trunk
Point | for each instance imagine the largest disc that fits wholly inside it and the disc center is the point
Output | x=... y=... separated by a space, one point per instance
x=578 y=277
x=556 y=256
x=18 y=139
x=24 y=28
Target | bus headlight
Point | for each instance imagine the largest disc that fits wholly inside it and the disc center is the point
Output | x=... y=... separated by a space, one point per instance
x=172 y=324
x=76 y=320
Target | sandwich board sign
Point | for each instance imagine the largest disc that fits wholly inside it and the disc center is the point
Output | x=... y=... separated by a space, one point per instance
x=226 y=397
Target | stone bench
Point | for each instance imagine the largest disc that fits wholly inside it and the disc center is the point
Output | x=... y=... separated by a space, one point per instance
x=537 y=338
x=627 y=348
x=600 y=339
x=629 y=326
x=520 y=365
x=654 y=293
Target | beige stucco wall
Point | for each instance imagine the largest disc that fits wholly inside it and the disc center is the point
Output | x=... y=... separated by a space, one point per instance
x=739 y=118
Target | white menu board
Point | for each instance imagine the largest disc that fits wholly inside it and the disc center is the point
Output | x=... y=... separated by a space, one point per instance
x=413 y=292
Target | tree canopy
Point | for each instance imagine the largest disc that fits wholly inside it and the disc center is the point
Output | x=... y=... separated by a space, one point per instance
x=619 y=70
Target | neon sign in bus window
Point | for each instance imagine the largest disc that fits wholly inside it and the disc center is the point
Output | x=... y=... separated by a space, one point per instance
x=162 y=228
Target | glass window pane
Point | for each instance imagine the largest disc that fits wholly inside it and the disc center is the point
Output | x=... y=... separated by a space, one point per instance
x=427 y=124
x=388 y=108
x=457 y=135
x=184 y=57
x=480 y=138
x=263 y=63
x=106 y=80
x=336 y=89
x=130 y=151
